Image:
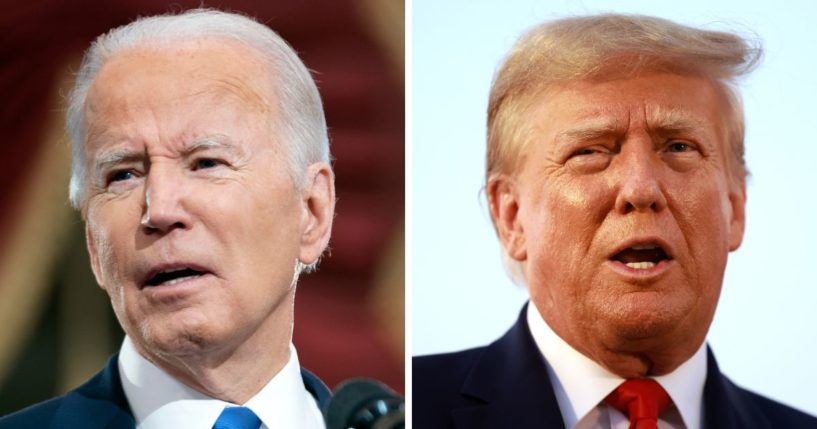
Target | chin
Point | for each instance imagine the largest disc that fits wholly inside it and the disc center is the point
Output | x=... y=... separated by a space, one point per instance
x=642 y=330
x=644 y=321
x=177 y=337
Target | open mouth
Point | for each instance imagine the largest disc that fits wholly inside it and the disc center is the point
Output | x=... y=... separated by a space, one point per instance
x=642 y=256
x=173 y=276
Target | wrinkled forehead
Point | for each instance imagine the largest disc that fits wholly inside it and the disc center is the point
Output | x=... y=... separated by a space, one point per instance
x=189 y=84
x=660 y=99
x=168 y=72
x=606 y=103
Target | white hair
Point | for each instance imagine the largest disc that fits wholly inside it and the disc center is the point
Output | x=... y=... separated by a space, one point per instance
x=300 y=126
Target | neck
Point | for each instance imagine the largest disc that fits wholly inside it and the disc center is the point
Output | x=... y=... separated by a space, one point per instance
x=236 y=370
x=640 y=358
x=628 y=357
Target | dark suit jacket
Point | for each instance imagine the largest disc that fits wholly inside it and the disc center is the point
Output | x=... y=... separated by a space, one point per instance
x=506 y=385
x=101 y=403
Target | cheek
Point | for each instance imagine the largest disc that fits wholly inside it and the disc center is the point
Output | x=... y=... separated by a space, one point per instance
x=703 y=213
x=259 y=228
x=106 y=254
x=276 y=207
x=704 y=218
x=111 y=279
x=562 y=226
x=112 y=226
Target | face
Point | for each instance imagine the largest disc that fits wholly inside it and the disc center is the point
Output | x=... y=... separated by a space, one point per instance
x=193 y=222
x=622 y=214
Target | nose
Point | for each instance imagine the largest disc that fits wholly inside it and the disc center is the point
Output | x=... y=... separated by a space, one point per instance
x=640 y=183
x=164 y=208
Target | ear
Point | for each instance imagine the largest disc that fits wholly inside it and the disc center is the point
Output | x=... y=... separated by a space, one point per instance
x=737 y=224
x=503 y=200
x=318 y=210
x=94 y=254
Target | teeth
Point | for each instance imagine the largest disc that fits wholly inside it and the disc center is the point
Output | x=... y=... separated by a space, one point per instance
x=178 y=280
x=644 y=247
x=640 y=265
x=172 y=276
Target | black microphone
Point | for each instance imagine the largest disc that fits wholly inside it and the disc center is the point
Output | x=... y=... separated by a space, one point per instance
x=364 y=404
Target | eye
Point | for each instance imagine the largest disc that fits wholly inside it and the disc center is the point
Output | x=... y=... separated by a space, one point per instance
x=594 y=149
x=584 y=151
x=121 y=175
x=590 y=158
x=679 y=146
x=682 y=155
x=204 y=163
x=591 y=150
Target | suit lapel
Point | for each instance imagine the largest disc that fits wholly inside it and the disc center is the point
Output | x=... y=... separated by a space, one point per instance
x=725 y=405
x=316 y=388
x=99 y=403
x=508 y=386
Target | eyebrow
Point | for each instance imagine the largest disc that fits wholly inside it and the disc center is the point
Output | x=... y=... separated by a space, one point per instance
x=660 y=121
x=108 y=160
x=589 y=131
x=670 y=120
x=210 y=142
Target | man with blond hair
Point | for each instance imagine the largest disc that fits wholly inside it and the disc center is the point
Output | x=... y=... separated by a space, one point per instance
x=617 y=186
x=201 y=169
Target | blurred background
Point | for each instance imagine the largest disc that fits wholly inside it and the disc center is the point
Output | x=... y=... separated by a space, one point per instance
x=764 y=329
x=56 y=326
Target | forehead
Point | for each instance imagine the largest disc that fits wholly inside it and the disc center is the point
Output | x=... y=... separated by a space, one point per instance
x=658 y=99
x=178 y=80
x=208 y=63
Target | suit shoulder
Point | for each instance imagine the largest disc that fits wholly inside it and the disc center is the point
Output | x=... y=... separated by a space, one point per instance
x=436 y=384
x=442 y=370
x=38 y=415
x=775 y=413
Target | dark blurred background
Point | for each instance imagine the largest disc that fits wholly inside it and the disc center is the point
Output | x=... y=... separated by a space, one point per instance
x=56 y=326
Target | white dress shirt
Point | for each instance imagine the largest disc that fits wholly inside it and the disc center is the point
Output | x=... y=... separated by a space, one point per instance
x=581 y=385
x=160 y=401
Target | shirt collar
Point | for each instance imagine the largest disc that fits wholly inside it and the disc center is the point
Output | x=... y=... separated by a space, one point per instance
x=580 y=383
x=160 y=401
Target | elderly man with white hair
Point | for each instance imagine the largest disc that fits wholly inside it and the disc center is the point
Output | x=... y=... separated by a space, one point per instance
x=201 y=169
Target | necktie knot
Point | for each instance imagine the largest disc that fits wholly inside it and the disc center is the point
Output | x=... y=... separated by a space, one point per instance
x=237 y=418
x=642 y=400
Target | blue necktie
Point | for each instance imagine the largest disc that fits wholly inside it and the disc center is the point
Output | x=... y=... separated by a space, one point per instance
x=237 y=418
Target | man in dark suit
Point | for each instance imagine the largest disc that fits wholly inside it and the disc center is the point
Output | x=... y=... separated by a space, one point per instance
x=616 y=183
x=201 y=169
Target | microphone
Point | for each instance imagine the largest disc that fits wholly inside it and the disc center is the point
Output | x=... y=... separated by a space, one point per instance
x=364 y=404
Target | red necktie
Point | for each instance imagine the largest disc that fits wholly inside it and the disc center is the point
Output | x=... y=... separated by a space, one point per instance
x=640 y=399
